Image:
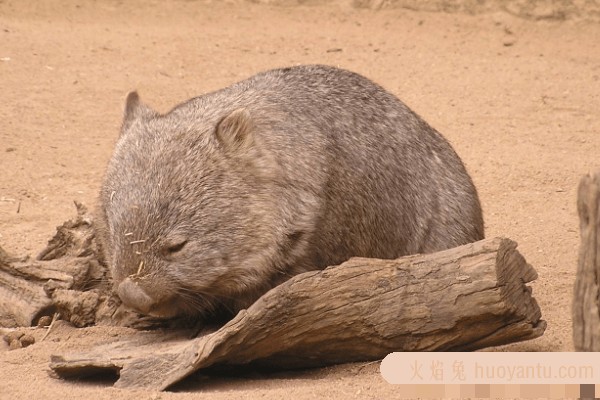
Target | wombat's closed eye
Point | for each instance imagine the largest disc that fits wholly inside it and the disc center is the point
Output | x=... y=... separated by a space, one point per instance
x=172 y=250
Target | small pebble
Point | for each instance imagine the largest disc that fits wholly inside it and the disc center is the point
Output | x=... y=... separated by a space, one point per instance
x=44 y=321
x=27 y=340
x=15 y=344
x=12 y=336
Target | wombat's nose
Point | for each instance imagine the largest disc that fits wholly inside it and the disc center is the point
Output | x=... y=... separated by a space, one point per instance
x=134 y=296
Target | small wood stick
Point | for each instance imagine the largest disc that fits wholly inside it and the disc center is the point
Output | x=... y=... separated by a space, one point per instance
x=54 y=318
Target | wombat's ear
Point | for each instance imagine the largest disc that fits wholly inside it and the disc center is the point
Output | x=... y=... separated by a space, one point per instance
x=236 y=131
x=134 y=110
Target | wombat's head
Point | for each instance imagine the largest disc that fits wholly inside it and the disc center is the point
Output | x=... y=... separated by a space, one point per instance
x=186 y=210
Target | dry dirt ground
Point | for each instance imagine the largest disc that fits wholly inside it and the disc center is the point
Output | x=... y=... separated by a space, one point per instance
x=517 y=98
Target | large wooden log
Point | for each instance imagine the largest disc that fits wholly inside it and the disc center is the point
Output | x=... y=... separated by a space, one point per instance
x=460 y=299
x=586 y=315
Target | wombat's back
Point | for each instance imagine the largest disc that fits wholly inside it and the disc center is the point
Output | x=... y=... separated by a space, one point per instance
x=364 y=175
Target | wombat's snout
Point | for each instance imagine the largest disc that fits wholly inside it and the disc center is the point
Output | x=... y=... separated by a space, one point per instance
x=134 y=296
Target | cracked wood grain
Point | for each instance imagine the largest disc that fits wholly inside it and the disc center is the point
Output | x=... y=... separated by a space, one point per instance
x=462 y=299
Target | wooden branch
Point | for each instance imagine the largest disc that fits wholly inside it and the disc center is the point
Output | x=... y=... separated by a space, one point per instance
x=30 y=288
x=20 y=299
x=460 y=299
x=586 y=317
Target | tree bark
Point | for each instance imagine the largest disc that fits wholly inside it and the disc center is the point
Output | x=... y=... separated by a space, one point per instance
x=586 y=318
x=462 y=299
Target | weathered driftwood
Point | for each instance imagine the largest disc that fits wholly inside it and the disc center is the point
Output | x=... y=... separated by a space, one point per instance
x=586 y=315
x=461 y=299
x=21 y=298
x=65 y=277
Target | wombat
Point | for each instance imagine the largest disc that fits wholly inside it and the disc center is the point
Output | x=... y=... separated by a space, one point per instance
x=229 y=194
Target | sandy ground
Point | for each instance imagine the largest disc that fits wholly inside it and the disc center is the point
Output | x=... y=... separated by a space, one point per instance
x=518 y=99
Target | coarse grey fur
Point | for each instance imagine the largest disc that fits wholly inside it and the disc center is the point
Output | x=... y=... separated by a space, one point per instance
x=209 y=206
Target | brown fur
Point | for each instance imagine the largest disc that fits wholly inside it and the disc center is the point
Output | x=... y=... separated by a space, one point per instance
x=231 y=193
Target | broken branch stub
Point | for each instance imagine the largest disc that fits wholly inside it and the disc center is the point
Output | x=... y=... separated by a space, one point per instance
x=59 y=279
x=466 y=298
x=21 y=299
